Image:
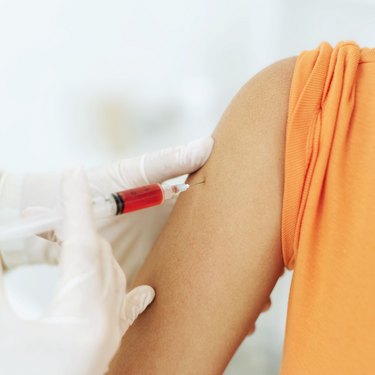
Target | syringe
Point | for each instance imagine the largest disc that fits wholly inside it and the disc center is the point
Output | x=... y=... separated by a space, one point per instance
x=114 y=204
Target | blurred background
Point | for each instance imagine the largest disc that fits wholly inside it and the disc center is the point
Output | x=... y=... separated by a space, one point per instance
x=91 y=81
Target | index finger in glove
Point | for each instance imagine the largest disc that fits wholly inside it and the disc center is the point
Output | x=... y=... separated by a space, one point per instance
x=135 y=302
x=151 y=168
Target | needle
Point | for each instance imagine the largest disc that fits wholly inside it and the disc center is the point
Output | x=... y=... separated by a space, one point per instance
x=198 y=183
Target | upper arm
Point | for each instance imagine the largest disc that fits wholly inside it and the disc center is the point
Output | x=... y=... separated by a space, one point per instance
x=219 y=255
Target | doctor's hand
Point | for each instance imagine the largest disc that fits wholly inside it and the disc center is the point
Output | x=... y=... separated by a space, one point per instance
x=83 y=326
x=131 y=236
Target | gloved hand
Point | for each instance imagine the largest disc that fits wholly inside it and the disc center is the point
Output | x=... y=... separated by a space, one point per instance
x=131 y=236
x=82 y=328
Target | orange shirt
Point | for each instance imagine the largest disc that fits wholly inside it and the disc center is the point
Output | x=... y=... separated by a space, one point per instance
x=328 y=219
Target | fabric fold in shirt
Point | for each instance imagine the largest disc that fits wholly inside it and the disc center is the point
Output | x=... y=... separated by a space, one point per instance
x=328 y=217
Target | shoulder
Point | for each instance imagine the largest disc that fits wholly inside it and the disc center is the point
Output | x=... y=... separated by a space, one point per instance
x=276 y=77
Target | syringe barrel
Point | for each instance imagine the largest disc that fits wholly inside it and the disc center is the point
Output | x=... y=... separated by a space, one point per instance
x=138 y=198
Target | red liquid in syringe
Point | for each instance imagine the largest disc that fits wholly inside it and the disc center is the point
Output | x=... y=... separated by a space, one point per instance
x=139 y=198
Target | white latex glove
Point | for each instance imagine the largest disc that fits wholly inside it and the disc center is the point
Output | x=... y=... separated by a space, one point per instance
x=132 y=235
x=82 y=328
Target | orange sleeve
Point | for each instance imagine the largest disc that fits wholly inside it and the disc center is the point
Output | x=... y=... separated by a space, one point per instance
x=328 y=218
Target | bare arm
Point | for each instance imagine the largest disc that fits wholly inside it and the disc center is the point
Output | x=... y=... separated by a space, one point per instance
x=219 y=256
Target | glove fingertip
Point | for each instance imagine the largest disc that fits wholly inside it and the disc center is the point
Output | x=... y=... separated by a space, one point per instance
x=197 y=153
x=137 y=301
x=204 y=145
x=177 y=161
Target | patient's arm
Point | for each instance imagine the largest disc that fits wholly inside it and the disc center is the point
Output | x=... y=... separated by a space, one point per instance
x=219 y=256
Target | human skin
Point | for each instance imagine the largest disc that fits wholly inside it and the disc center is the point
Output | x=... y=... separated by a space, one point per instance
x=219 y=255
